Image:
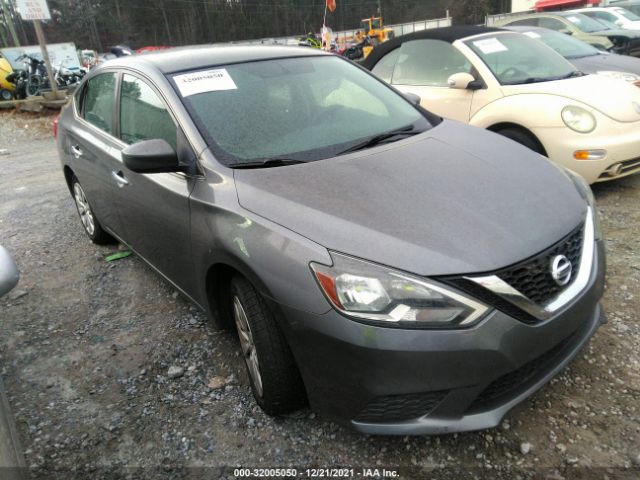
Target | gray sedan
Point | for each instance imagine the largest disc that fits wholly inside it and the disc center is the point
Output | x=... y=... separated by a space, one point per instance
x=402 y=273
x=585 y=57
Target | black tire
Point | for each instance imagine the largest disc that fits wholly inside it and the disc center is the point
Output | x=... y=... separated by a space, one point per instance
x=279 y=389
x=523 y=138
x=88 y=219
x=5 y=95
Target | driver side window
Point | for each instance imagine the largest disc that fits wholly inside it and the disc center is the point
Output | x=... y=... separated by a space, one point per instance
x=143 y=115
x=428 y=62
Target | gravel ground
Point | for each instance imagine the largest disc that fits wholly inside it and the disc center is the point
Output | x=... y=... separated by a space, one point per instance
x=112 y=374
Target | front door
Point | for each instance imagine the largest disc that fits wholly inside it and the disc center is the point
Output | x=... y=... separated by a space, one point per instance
x=154 y=207
x=424 y=66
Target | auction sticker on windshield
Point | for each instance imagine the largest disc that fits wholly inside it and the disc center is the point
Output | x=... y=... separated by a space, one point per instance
x=205 y=81
x=490 y=45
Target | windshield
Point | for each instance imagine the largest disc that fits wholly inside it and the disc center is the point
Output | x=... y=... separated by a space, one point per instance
x=585 y=23
x=304 y=109
x=627 y=14
x=565 y=45
x=515 y=59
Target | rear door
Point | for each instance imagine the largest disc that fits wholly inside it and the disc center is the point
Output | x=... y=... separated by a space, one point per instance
x=154 y=208
x=93 y=148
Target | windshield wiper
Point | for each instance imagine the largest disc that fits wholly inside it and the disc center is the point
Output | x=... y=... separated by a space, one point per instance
x=382 y=137
x=575 y=73
x=268 y=163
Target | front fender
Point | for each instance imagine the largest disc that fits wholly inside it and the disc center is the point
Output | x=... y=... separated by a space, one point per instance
x=529 y=110
x=275 y=259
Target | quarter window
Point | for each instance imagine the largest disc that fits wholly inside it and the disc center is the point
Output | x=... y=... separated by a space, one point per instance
x=143 y=115
x=428 y=62
x=99 y=97
x=552 y=24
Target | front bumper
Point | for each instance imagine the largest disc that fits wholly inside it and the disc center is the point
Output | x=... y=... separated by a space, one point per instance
x=403 y=382
x=621 y=142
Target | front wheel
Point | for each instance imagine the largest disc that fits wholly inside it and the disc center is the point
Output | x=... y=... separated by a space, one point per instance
x=273 y=374
x=5 y=95
x=90 y=223
x=523 y=138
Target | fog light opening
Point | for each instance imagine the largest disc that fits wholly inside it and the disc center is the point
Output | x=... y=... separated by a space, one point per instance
x=589 y=154
x=614 y=170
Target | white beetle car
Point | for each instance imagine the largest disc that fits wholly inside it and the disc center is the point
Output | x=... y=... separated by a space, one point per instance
x=518 y=87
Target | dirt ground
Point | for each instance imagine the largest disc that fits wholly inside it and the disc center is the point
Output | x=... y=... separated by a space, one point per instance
x=86 y=346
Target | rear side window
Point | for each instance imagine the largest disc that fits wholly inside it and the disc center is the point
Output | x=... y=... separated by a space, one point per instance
x=526 y=22
x=552 y=24
x=143 y=115
x=428 y=62
x=98 y=101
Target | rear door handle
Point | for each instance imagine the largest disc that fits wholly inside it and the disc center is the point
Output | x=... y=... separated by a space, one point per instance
x=119 y=178
x=76 y=151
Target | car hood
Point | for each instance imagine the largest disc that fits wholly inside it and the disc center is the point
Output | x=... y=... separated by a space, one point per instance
x=611 y=97
x=456 y=199
x=616 y=32
x=607 y=62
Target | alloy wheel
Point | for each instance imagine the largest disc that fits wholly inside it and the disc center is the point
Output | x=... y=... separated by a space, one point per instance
x=84 y=210
x=247 y=344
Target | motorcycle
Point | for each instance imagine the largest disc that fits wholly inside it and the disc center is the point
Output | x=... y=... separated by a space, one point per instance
x=37 y=78
x=19 y=80
x=66 y=77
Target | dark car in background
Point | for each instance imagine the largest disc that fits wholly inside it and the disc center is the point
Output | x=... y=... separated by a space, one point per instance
x=585 y=57
x=631 y=5
x=590 y=30
x=403 y=273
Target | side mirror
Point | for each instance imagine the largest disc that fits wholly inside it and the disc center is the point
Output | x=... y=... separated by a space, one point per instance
x=412 y=97
x=566 y=31
x=463 y=81
x=151 y=156
x=8 y=272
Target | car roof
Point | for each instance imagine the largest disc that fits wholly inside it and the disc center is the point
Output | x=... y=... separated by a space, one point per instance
x=189 y=58
x=446 y=34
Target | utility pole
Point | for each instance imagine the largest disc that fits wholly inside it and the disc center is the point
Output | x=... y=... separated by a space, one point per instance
x=9 y=20
x=45 y=55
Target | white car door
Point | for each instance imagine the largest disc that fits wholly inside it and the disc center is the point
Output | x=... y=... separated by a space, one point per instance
x=423 y=67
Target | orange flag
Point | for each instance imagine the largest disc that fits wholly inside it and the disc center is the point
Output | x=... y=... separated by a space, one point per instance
x=331 y=5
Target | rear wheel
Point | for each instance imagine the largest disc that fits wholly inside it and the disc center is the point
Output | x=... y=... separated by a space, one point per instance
x=523 y=138
x=275 y=380
x=90 y=223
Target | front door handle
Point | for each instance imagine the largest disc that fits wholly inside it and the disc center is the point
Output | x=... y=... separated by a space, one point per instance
x=119 y=178
x=76 y=151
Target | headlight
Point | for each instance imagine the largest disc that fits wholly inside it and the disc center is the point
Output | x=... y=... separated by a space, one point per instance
x=387 y=297
x=626 y=76
x=585 y=191
x=578 y=119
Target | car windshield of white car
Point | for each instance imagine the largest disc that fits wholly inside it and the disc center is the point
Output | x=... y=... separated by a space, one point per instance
x=565 y=45
x=515 y=59
x=290 y=110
